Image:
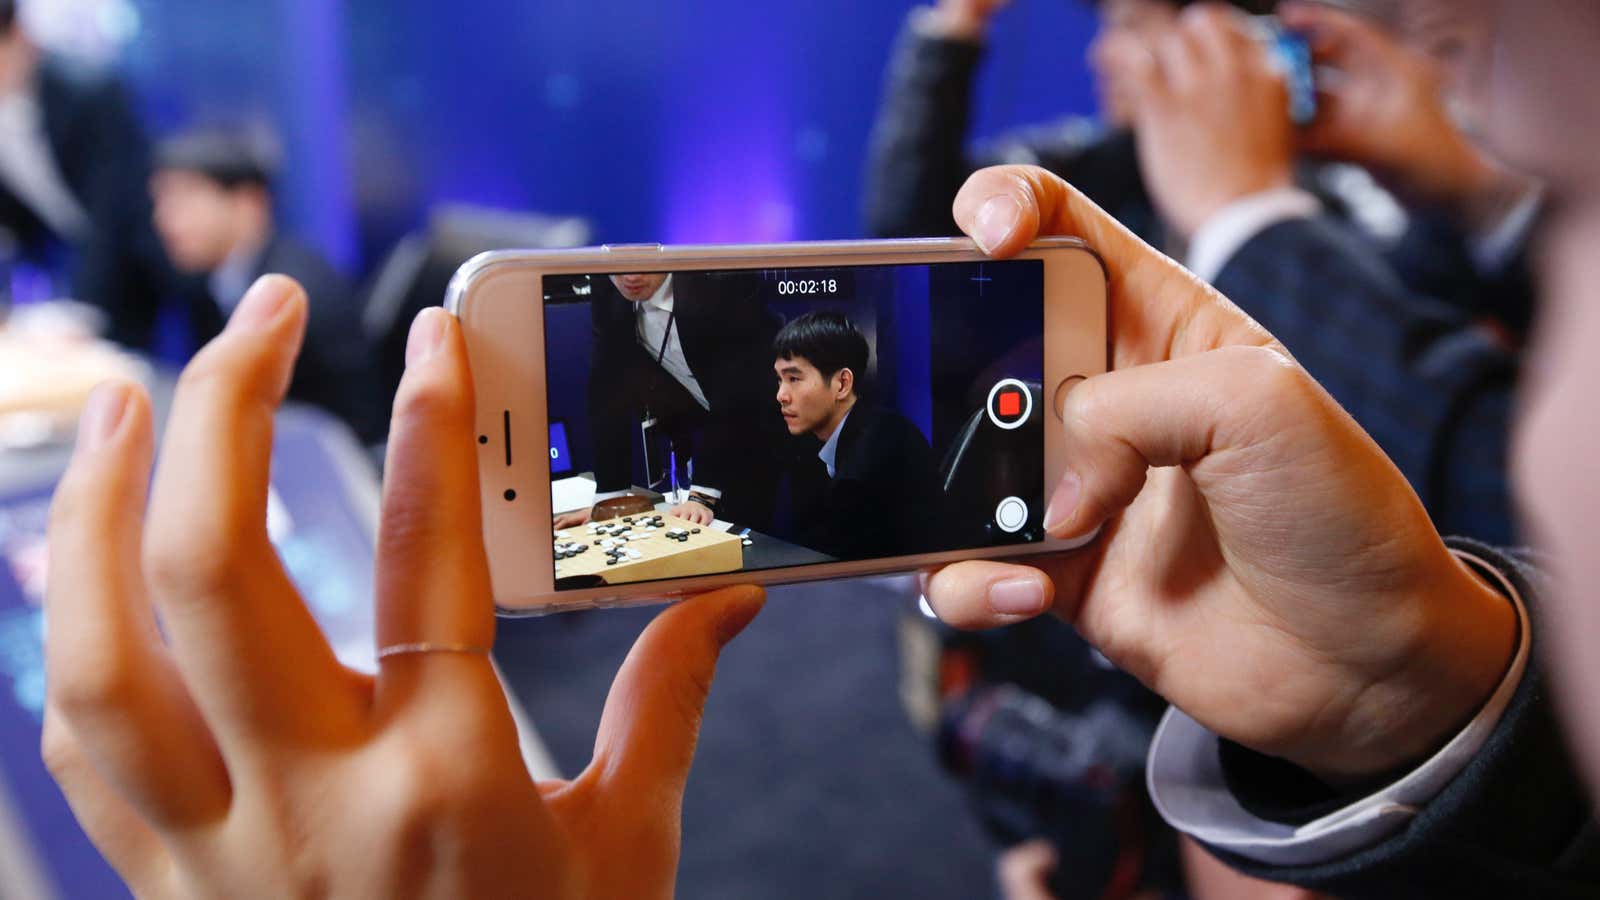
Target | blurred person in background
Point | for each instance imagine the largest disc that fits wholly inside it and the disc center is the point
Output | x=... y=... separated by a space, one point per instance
x=1385 y=108
x=920 y=154
x=214 y=211
x=1219 y=156
x=1220 y=182
x=73 y=170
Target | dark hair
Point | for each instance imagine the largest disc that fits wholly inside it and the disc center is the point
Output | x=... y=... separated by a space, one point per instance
x=827 y=340
x=232 y=158
x=8 y=14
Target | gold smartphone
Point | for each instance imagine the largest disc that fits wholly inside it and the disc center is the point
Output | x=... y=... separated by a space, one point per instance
x=657 y=421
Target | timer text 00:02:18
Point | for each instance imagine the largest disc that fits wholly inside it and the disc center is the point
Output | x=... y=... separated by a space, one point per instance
x=821 y=286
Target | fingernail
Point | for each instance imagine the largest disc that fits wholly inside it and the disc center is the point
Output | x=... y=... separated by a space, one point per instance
x=1063 y=503
x=102 y=414
x=1017 y=597
x=427 y=336
x=739 y=617
x=997 y=218
x=262 y=303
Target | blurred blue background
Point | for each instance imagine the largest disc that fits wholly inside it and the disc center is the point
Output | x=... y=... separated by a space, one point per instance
x=714 y=121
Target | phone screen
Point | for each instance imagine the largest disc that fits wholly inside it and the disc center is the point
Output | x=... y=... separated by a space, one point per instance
x=722 y=421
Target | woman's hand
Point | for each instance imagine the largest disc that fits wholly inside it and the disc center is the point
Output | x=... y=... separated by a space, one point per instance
x=213 y=746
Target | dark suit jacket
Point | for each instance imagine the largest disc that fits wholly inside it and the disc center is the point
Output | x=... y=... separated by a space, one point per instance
x=726 y=333
x=102 y=155
x=1432 y=388
x=1517 y=822
x=1433 y=259
x=884 y=497
x=335 y=370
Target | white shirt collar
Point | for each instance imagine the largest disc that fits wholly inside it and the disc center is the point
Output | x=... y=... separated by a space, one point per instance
x=830 y=447
x=662 y=298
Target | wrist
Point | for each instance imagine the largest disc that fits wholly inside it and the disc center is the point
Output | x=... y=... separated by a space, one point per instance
x=1197 y=217
x=1466 y=638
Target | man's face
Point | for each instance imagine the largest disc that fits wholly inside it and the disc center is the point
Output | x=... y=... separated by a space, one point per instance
x=196 y=218
x=638 y=288
x=1530 y=83
x=806 y=399
x=1139 y=18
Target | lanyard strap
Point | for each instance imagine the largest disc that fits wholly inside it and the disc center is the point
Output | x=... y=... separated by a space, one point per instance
x=672 y=317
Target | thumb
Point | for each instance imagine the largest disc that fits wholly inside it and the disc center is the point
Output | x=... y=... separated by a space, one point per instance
x=1159 y=307
x=1119 y=426
x=1176 y=413
x=651 y=721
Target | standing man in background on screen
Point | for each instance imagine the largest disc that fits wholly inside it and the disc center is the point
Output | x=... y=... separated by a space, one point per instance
x=686 y=352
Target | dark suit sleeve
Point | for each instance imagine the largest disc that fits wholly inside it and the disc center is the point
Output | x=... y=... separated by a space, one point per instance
x=336 y=369
x=1517 y=822
x=610 y=425
x=1432 y=389
x=917 y=159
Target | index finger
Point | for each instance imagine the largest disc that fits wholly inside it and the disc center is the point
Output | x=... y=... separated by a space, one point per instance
x=1160 y=309
x=243 y=639
x=1333 y=33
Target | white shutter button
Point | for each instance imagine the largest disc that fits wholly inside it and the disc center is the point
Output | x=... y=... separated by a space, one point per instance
x=1011 y=515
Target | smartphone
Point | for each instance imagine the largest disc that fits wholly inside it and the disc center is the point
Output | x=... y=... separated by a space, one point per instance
x=658 y=421
x=1291 y=53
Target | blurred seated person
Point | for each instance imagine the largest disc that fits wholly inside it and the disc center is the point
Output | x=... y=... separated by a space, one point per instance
x=73 y=168
x=214 y=212
x=686 y=352
x=872 y=488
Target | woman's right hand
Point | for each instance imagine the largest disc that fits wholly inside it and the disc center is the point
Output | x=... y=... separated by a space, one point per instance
x=1262 y=564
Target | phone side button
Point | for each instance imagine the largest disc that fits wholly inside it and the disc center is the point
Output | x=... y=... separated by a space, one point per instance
x=1059 y=401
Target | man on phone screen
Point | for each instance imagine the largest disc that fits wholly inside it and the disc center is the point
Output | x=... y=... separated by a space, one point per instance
x=677 y=361
x=871 y=489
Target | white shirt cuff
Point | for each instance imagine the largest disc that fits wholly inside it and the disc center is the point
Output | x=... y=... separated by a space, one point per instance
x=1184 y=776
x=711 y=492
x=1236 y=224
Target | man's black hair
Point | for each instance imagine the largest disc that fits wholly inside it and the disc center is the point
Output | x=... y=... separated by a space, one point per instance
x=827 y=340
x=8 y=15
x=233 y=158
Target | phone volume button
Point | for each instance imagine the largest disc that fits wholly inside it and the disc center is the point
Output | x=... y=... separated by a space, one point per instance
x=632 y=248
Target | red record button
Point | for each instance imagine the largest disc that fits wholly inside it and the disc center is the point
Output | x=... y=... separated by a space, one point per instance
x=1010 y=404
